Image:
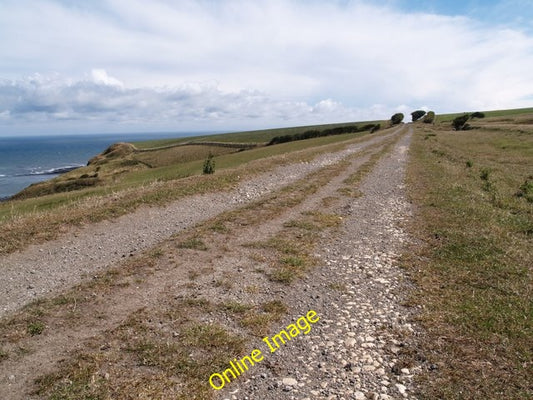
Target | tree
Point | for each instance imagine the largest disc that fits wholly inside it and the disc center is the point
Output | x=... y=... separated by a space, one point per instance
x=459 y=123
x=429 y=118
x=209 y=165
x=416 y=115
x=477 y=114
x=396 y=118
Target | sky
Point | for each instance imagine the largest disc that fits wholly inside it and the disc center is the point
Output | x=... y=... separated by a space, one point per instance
x=105 y=66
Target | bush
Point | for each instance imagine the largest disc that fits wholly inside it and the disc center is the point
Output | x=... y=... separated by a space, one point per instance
x=376 y=127
x=459 y=123
x=477 y=114
x=314 y=133
x=429 y=118
x=416 y=115
x=396 y=118
x=209 y=164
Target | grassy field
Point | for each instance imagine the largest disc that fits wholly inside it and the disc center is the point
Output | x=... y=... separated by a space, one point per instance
x=259 y=136
x=473 y=192
x=488 y=114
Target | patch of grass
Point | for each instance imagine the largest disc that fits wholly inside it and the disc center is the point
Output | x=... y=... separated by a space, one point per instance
x=3 y=355
x=219 y=227
x=474 y=277
x=193 y=243
x=35 y=328
x=258 y=321
x=235 y=307
x=78 y=383
x=293 y=261
x=156 y=253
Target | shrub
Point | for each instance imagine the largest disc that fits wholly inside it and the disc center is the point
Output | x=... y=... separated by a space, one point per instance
x=459 y=123
x=416 y=115
x=429 y=118
x=477 y=114
x=526 y=190
x=209 y=164
x=396 y=118
x=376 y=127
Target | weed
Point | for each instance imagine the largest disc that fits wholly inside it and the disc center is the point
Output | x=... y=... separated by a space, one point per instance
x=35 y=328
x=469 y=164
x=293 y=261
x=484 y=174
x=526 y=190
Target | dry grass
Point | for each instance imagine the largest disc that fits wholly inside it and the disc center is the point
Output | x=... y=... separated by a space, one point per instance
x=473 y=269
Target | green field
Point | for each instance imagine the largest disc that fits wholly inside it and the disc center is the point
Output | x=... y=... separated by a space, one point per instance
x=473 y=192
x=258 y=136
x=488 y=114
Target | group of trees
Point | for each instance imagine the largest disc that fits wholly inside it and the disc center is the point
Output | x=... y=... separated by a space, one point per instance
x=314 y=133
x=429 y=117
x=460 y=122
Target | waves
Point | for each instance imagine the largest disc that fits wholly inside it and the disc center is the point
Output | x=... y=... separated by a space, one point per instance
x=52 y=171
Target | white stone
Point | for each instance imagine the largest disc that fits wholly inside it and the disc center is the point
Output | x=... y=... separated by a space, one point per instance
x=350 y=342
x=401 y=388
x=290 y=381
x=360 y=396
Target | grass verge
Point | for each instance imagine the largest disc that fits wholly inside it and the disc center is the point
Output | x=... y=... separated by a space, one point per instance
x=473 y=262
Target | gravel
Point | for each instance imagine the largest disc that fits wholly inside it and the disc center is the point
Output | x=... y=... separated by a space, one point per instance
x=353 y=352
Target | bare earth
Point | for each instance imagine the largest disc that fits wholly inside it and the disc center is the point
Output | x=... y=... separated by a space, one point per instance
x=357 y=289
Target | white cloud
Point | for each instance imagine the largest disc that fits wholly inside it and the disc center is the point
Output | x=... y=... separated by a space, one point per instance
x=100 y=76
x=236 y=63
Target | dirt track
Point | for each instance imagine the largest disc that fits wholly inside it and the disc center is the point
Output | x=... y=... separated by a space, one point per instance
x=352 y=353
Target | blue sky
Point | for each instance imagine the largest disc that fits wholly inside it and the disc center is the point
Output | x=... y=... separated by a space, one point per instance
x=131 y=65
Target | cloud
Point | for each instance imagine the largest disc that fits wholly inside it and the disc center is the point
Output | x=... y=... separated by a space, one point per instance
x=235 y=63
x=104 y=100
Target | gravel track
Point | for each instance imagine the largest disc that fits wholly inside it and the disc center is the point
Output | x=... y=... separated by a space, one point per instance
x=353 y=352
x=47 y=269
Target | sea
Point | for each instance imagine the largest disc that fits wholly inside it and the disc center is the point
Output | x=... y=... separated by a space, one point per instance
x=28 y=159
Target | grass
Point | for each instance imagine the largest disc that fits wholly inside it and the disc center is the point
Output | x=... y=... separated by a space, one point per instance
x=258 y=136
x=193 y=243
x=259 y=320
x=147 y=364
x=474 y=270
x=35 y=328
x=488 y=114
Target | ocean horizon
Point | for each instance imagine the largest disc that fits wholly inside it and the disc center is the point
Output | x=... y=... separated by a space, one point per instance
x=29 y=159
